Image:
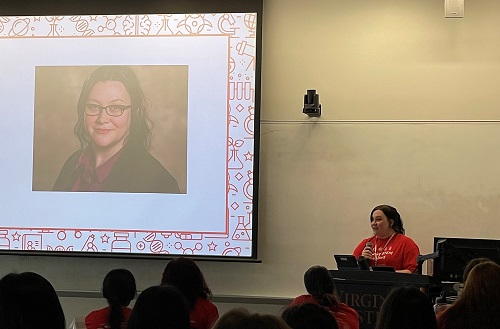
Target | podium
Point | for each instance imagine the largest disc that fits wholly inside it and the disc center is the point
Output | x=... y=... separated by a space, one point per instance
x=365 y=291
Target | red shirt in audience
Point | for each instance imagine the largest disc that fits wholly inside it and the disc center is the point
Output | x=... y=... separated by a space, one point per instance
x=99 y=319
x=204 y=314
x=347 y=317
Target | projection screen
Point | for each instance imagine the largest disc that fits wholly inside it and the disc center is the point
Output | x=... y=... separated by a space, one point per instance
x=130 y=129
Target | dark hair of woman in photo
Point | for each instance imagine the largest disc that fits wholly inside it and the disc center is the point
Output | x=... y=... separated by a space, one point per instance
x=185 y=275
x=479 y=303
x=119 y=289
x=321 y=288
x=309 y=316
x=240 y=318
x=160 y=307
x=27 y=301
x=406 y=308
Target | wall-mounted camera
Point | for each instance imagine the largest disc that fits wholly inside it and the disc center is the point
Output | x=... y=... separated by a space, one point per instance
x=312 y=107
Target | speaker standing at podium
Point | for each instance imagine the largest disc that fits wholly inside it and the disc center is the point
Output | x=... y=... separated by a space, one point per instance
x=389 y=246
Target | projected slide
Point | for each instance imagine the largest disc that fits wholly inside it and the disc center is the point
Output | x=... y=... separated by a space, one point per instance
x=129 y=134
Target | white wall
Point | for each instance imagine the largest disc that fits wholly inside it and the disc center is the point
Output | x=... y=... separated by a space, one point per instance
x=403 y=92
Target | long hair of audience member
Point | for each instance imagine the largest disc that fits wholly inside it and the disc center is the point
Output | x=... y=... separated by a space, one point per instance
x=470 y=265
x=406 y=307
x=119 y=289
x=319 y=284
x=27 y=301
x=185 y=275
x=160 y=307
x=479 y=303
x=240 y=318
x=309 y=316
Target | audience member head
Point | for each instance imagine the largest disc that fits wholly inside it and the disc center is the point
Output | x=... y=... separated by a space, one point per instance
x=473 y=262
x=482 y=287
x=392 y=214
x=309 y=316
x=240 y=318
x=185 y=275
x=480 y=300
x=319 y=284
x=406 y=307
x=160 y=307
x=28 y=300
x=119 y=289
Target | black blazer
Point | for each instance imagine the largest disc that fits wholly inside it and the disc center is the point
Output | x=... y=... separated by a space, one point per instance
x=136 y=170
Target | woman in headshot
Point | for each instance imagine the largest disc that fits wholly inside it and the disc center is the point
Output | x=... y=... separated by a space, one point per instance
x=406 y=308
x=185 y=275
x=114 y=130
x=27 y=301
x=240 y=318
x=479 y=302
x=389 y=246
x=119 y=290
x=160 y=307
x=309 y=316
x=321 y=288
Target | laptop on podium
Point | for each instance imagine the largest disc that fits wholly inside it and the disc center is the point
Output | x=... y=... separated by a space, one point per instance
x=346 y=262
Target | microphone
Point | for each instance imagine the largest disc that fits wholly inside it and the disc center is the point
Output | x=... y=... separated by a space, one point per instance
x=369 y=246
x=364 y=263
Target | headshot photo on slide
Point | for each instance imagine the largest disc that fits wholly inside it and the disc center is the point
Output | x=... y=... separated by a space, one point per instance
x=110 y=128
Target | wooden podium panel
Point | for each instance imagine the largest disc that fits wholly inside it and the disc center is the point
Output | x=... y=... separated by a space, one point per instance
x=365 y=291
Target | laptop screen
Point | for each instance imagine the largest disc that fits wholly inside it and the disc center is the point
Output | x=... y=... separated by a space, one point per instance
x=346 y=262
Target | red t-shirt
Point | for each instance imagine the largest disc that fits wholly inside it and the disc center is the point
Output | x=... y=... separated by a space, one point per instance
x=400 y=252
x=204 y=314
x=347 y=317
x=99 y=319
